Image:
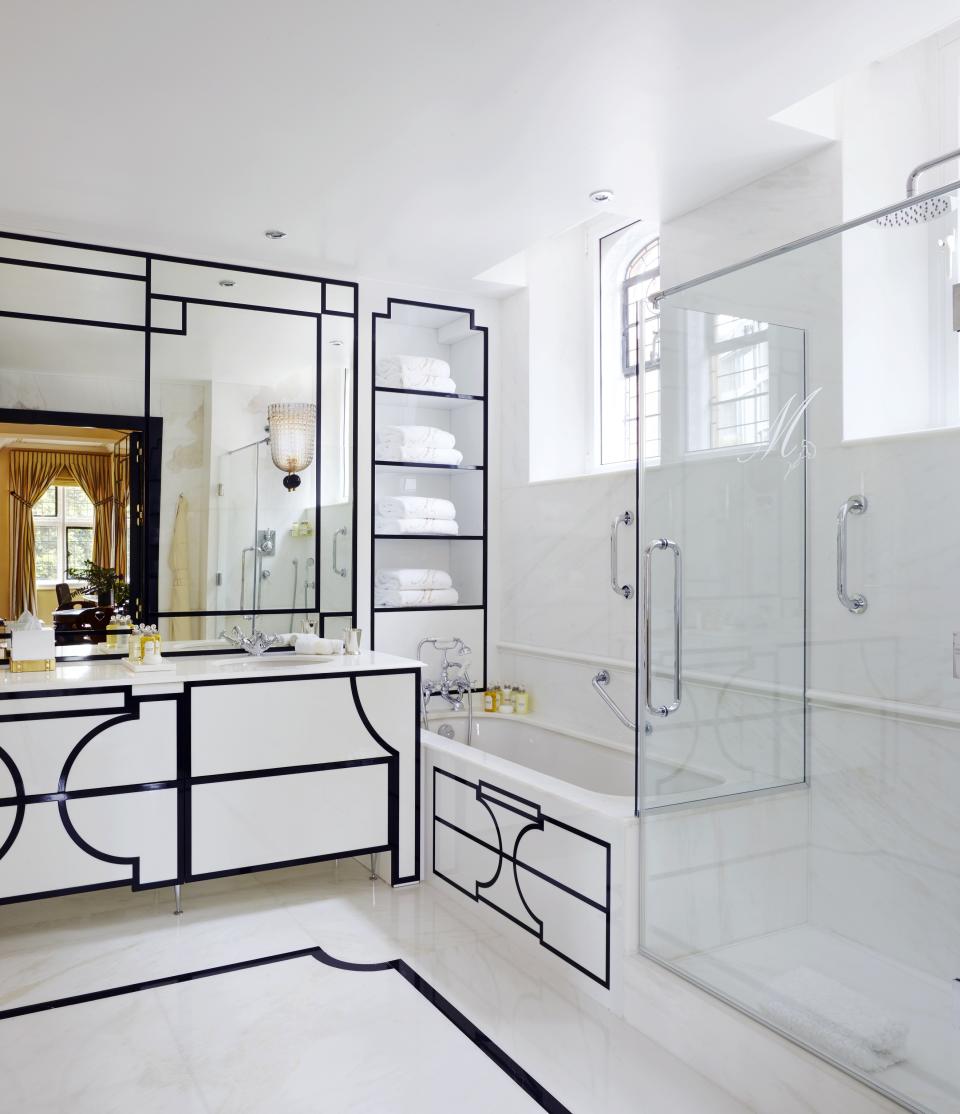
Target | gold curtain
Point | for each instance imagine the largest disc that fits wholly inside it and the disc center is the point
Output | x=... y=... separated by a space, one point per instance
x=121 y=480
x=31 y=473
x=94 y=473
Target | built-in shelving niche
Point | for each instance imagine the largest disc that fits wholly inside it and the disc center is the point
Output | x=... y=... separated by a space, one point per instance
x=450 y=333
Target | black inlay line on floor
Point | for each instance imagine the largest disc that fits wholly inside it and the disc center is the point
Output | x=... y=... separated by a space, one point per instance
x=522 y=1078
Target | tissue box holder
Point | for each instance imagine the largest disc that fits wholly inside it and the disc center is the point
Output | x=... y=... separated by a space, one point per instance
x=32 y=651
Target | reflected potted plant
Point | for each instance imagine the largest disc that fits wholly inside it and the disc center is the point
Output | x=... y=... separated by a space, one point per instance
x=104 y=581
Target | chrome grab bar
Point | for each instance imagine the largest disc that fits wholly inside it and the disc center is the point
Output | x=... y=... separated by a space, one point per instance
x=243 y=577
x=342 y=532
x=663 y=709
x=625 y=590
x=599 y=683
x=856 y=504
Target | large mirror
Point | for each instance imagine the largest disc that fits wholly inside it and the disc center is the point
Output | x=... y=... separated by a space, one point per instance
x=201 y=480
x=71 y=436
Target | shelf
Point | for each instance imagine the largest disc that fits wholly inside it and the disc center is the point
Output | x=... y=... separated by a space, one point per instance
x=454 y=607
x=436 y=400
x=405 y=466
x=429 y=537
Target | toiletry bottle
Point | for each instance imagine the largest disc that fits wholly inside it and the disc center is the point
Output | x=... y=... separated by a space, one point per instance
x=491 y=699
x=506 y=700
x=521 y=700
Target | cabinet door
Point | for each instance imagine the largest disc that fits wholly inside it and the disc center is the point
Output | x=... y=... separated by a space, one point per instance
x=64 y=825
x=249 y=822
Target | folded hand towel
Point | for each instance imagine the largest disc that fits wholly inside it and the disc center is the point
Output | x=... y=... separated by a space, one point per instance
x=421 y=365
x=415 y=506
x=401 y=526
x=415 y=381
x=314 y=644
x=446 y=597
x=420 y=454
x=836 y=1019
x=415 y=435
x=409 y=579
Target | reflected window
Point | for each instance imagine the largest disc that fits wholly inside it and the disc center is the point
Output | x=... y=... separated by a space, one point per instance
x=641 y=369
x=63 y=533
x=738 y=358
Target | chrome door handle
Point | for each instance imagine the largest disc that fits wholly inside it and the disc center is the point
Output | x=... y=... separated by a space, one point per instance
x=342 y=532
x=663 y=709
x=625 y=590
x=856 y=504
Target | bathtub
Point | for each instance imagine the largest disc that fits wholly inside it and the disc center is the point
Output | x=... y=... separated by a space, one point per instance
x=535 y=830
x=604 y=771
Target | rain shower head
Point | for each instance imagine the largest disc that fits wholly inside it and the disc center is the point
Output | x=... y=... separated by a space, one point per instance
x=922 y=213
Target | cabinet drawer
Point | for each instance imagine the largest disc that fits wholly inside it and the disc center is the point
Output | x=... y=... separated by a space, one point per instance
x=266 y=821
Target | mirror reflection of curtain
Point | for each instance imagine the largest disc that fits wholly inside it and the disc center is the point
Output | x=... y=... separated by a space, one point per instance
x=31 y=473
x=94 y=473
x=121 y=485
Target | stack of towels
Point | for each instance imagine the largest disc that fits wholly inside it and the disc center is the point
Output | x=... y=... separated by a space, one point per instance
x=417 y=444
x=415 y=514
x=414 y=588
x=849 y=1026
x=415 y=373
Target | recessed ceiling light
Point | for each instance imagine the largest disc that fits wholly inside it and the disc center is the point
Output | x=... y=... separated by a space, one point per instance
x=228 y=282
x=599 y=196
x=274 y=234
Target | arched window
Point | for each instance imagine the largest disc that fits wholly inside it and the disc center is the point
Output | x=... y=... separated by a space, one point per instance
x=641 y=370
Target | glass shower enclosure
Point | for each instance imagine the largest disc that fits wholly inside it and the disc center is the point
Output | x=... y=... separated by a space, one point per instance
x=803 y=666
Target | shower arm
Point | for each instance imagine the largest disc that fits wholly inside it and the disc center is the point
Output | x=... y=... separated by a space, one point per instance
x=925 y=166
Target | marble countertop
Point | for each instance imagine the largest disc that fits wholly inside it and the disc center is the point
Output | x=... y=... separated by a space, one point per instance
x=198 y=667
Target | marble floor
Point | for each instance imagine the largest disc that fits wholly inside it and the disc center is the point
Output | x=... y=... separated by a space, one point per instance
x=929 y=1076
x=300 y=1035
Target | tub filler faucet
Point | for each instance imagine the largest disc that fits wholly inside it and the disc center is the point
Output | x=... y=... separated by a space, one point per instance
x=452 y=689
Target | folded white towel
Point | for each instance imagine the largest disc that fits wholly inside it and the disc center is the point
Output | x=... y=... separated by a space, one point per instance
x=420 y=365
x=836 y=1019
x=415 y=381
x=406 y=580
x=420 y=454
x=401 y=526
x=314 y=644
x=413 y=435
x=415 y=506
x=446 y=597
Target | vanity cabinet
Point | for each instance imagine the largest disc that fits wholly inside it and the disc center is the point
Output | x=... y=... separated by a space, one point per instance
x=158 y=784
x=273 y=782
x=88 y=793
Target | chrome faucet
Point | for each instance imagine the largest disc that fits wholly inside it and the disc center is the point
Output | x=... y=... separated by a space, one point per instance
x=256 y=644
x=452 y=689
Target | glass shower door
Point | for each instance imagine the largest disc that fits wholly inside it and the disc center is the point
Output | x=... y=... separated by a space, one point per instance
x=723 y=611
x=723 y=561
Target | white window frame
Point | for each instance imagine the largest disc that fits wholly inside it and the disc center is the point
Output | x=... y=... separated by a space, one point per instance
x=613 y=386
x=62 y=522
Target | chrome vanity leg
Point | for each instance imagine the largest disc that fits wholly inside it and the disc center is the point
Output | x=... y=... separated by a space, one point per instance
x=373 y=866
x=177 y=905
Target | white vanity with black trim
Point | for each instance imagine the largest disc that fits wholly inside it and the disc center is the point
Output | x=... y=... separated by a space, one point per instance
x=228 y=765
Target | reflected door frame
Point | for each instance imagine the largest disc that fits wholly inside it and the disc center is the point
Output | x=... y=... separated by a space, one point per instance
x=144 y=534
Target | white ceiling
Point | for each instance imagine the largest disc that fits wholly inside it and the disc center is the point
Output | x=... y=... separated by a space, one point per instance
x=420 y=141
